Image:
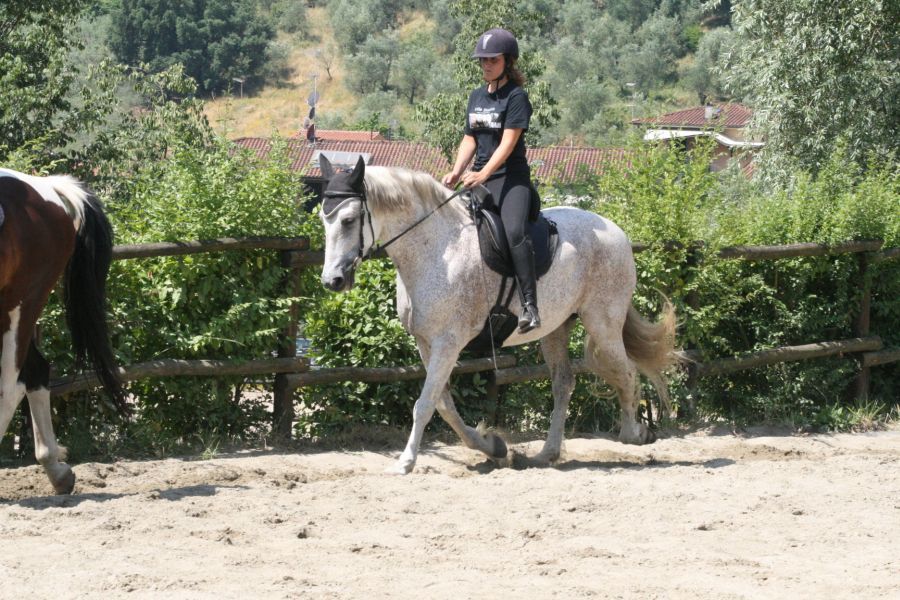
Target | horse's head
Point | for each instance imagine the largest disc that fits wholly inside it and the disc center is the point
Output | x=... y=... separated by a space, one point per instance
x=343 y=214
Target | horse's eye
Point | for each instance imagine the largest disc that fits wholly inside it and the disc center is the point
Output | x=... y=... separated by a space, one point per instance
x=348 y=221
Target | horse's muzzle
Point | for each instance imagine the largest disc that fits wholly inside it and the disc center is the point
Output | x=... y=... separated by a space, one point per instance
x=339 y=283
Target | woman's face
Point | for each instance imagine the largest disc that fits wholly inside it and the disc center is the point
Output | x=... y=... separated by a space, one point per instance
x=492 y=67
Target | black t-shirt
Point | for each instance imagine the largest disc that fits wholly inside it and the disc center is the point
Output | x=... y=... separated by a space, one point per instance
x=488 y=114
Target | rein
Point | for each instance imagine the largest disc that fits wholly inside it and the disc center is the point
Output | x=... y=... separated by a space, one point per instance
x=375 y=247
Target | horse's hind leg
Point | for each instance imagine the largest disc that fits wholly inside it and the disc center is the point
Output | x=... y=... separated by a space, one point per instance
x=36 y=377
x=605 y=353
x=555 y=348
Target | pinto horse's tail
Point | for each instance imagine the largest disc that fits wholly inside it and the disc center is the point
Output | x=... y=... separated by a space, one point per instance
x=651 y=345
x=84 y=291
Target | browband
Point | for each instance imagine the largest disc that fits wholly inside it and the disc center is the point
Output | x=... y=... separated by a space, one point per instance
x=335 y=200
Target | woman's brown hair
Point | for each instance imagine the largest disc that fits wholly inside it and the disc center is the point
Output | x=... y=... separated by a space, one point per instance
x=512 y=70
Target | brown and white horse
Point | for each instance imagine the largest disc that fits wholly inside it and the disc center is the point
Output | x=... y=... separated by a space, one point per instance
x=51 y=227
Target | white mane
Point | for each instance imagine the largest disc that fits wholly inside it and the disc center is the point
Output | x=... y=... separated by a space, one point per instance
x=59 y=189
x=393 y=188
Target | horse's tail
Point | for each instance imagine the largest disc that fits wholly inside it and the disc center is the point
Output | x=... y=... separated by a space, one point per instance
x=651 y=345
x=84 y=294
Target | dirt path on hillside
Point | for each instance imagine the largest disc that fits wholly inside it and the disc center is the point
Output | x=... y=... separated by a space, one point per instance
x=697 y=516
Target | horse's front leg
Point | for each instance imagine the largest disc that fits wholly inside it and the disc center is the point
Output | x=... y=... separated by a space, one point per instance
x=487 y=442
x=11 y=390
x=439 y=365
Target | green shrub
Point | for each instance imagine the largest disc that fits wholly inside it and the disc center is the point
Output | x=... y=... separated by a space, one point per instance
x=228 y=305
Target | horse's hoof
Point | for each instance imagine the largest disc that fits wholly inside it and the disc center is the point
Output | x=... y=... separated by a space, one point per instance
x=521 y=461
x=65 y=484
x=498 y=447
x=638 y=436
x=400 y=468
x=545 y=459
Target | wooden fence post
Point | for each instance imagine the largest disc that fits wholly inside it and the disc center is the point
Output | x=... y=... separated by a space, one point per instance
x=283 y=393
x=692 y=301
x=860 y=386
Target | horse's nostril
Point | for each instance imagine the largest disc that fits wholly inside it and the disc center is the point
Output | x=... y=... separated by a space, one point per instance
x=337 y=283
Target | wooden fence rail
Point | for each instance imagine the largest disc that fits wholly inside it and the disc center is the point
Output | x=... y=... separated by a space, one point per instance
x=173 y=367
x=292 y=372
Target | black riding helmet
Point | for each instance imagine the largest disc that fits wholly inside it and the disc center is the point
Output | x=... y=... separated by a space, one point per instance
x=495 y=42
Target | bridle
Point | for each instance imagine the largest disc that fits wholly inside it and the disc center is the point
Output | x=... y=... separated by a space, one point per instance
x=375 y=248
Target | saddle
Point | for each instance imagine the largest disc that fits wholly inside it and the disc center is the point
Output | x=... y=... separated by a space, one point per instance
x=492 y=235
x=501 y=322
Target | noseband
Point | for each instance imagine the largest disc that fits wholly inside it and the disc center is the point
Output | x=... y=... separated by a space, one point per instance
x=375 y=248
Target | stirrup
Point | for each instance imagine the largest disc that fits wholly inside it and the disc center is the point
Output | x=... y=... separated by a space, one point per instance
x=530 y=318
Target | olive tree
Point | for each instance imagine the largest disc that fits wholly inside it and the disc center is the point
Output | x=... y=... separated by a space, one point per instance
x=818 y=72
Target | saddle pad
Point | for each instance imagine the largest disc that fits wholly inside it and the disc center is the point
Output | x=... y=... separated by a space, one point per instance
x=495 y=249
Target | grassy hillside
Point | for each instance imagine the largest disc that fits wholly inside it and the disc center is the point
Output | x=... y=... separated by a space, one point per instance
x=282 y=107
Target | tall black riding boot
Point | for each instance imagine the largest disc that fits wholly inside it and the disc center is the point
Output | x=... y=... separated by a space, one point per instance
x=523 y=262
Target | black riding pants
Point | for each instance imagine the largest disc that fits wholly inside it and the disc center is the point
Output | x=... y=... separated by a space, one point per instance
x=512 y=193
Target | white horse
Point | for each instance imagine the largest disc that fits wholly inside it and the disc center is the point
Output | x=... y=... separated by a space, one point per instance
x=444 y=294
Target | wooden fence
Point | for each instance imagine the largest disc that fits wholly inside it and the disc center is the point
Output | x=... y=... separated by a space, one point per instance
x=292 y=372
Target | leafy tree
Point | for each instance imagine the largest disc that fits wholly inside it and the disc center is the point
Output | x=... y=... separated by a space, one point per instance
x=216 y=40
x=290 y=16
x=415 y=59
x=816 y=72
x=370 y=68
x=378 y=111
x=650 y=61
x=37 y=113
x=354 y=21
x=705 y=76
x=633 y=12
x=326 y=57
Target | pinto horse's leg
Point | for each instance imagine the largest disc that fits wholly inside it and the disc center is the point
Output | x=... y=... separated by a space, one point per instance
x=605 y=352
x=555 y=348
x=11 y=390
x=36 y=377
x=442 y=357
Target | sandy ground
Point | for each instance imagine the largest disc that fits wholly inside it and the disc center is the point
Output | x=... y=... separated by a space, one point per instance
x=696 y=516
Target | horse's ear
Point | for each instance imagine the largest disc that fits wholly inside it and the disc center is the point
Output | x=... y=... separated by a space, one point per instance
x=359 y=172
x=325 y=166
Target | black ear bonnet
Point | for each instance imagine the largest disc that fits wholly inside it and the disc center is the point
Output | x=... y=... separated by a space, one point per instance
x=341 y=184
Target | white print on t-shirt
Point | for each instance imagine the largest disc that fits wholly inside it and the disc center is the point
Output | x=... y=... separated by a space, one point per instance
x=484 y=120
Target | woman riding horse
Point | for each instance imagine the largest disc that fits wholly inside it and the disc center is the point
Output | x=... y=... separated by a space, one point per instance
x=497 y=118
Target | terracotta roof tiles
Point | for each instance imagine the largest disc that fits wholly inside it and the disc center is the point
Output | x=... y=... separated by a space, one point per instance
x=340 y=135
x=563 y=164
x=724 y=115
